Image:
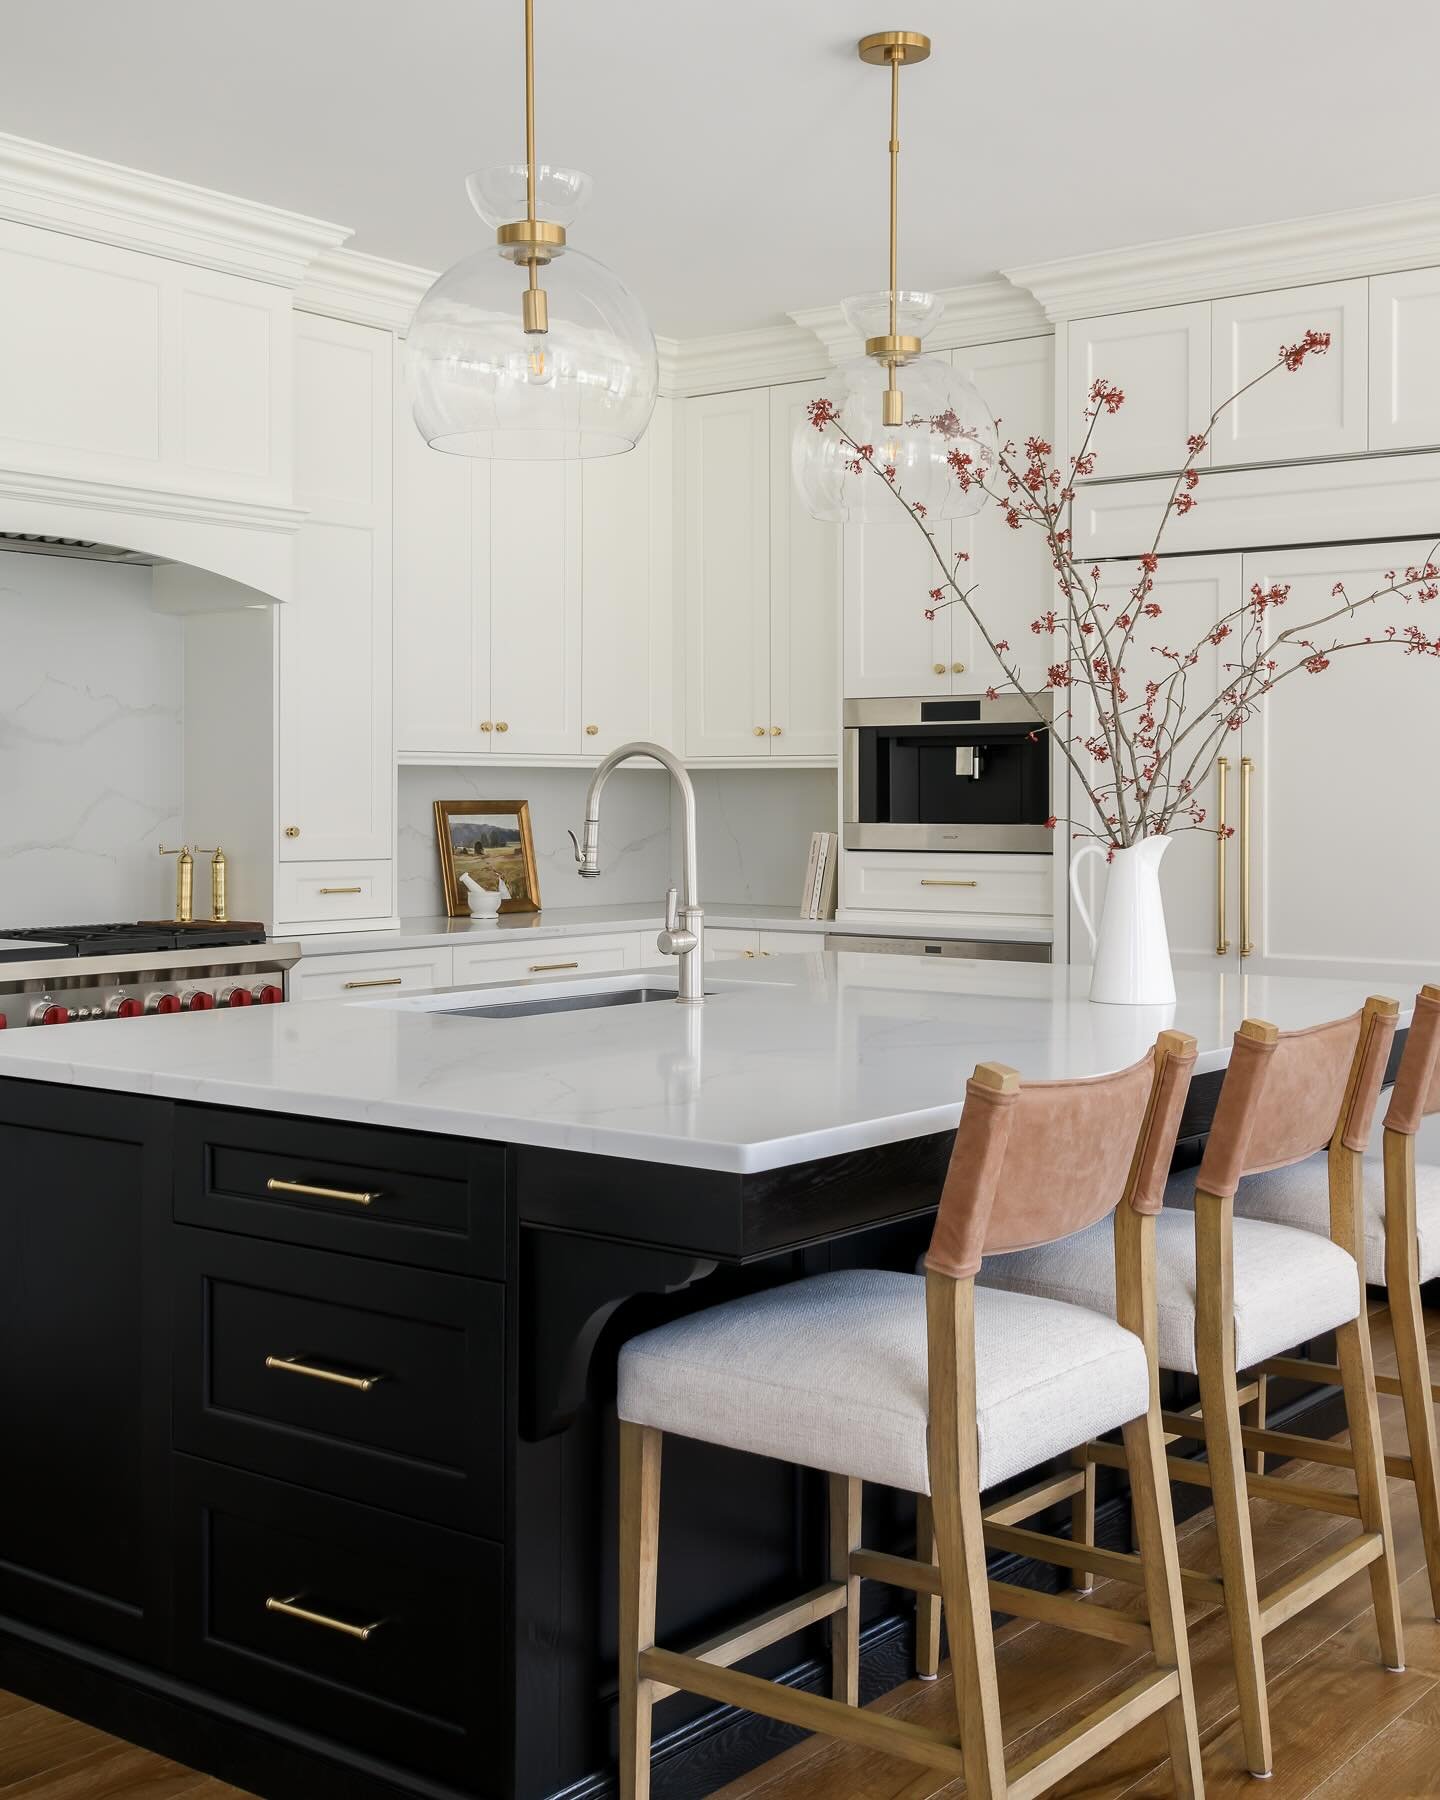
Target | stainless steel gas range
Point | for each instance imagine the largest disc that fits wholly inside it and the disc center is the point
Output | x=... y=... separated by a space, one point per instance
x=60 y=974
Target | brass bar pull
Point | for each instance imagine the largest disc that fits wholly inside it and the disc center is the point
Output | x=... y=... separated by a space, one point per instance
x=291 y=1365
x=930 y=881
x=361 y=1633
x=357 y=889
x=386 y=981
x=304 y=1188
x=1247 y=942
x=1222 y=895
x=547 y=968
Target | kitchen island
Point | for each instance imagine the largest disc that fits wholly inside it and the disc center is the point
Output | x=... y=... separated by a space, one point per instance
x=310 y=1320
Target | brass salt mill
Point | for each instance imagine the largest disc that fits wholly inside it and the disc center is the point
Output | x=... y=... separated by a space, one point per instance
x=218 y=870
x=184 y=883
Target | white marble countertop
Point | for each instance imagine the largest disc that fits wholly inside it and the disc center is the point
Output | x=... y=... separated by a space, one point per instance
x=788 y=1060
x=578 y=921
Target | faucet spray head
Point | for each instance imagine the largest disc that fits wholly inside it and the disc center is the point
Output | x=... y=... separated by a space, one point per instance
x=589 y=857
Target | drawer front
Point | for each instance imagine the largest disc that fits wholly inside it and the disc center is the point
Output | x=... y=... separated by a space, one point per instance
x=333 y=893
x=436 y=1203
x=965 y=886
x=420 y=1689
x=379 y=1384
x=551 y=956
x=726 y=944
x=791 y=943
x=335 y=977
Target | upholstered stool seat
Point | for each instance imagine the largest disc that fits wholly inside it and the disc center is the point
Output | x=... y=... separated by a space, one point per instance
x=831 y=1373
x=1290 y=1285
x=1299 y=1196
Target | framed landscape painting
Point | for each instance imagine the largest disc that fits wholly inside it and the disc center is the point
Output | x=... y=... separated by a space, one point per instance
x=488 y=840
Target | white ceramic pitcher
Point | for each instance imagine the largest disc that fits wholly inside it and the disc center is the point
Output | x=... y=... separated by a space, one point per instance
x=1131 y=948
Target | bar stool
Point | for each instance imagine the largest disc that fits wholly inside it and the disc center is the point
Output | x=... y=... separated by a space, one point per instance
x=1233 y=1292
x=940 y=1388
x=1401 y=1236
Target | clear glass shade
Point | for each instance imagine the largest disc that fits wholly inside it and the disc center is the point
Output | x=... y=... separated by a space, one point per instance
x=483 y=386
x=941 y=453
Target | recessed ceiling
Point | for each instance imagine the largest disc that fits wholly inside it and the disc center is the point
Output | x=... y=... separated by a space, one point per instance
x=738 y=146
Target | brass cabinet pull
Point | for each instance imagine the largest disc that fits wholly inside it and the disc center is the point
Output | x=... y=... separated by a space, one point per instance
x=957 y=668
x=1247 y=769
x=500 y=725
x=379 y=981
x=932 y=881
x=939 y=668
x=1222 y=895
x=546 y=968
x=357 y=889
x=775 y=731
x=759 y=731
x=592 y=731
x=291 y=1365
x=306 y=1189
x=292 y=831
x=361 y=1633
x=486 y=725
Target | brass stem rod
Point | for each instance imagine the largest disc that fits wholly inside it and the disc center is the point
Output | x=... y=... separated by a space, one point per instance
x=530 y=110
x=895 y=61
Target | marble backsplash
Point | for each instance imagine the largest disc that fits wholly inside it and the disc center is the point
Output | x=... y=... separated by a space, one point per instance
x=91 y=776
x=754 y=830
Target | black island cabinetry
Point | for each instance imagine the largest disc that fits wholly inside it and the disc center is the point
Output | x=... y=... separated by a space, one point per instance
x=310 y=1441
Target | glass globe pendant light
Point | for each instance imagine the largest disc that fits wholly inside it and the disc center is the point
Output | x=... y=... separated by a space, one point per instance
x=895 y=407
x=530 y=349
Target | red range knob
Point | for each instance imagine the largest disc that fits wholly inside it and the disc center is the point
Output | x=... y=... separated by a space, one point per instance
x=166 y=1003
x=3 y=1021
x=55 y=1015
x=237 y=996
x=269 y=995
x=128 y=1009
x=199 y=1001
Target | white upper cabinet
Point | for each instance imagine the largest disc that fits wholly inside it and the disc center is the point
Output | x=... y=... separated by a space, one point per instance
x=1405 y=360
x=336 y=774
x=891 y=648
x=535 y=632
x=1011 y=571
x=120 y=367
x=1160 y=359
x=442 y=594
x=1320 y=409
x=727 y=575
x=628 y=599
x=804 y=600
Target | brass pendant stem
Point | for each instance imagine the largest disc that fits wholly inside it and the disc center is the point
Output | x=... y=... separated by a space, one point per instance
x=530 y=112
x=895 y=62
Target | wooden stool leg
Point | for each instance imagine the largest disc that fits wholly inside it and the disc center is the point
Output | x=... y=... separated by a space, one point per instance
x=639 y=1552
x=1402 y=1280
x=927 y=1606
x=1082 y=1525
x=1155 y=1527
x=1220 y=1409
x=845 y=1497
x=1357 y=1375
x=1255 y=1413
x=960 y=1532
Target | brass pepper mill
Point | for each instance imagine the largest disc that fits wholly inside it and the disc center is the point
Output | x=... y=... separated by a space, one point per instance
x=218 y=868
x=184 y=883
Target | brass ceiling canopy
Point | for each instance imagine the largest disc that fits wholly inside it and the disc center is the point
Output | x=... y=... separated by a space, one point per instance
x=896 y=49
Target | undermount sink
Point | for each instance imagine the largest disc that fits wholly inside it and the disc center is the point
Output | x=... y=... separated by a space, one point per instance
x=554 y=1003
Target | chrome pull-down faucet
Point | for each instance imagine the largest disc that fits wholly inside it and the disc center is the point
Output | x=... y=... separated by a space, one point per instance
x=684 y=934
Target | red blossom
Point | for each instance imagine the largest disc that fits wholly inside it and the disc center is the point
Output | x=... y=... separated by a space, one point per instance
x=1151 y=610
x=1051 y=822
x=1103 y=394
x=822 y=413
x=1317 y=664
x=1314 y=343
x=1058 y=676
x=1149 y=562
x=1195 y=443
x=1183 y=503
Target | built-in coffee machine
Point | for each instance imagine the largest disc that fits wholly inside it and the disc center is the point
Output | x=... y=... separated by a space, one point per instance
x=963 y=773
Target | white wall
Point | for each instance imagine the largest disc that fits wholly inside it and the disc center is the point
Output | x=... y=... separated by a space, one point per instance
x=91 y=766
x=754 y=831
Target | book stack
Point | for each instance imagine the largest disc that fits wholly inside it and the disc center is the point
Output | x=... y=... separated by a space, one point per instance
x=818 y=899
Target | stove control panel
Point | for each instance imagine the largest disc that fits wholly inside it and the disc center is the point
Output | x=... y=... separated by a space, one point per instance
x=57 y=1001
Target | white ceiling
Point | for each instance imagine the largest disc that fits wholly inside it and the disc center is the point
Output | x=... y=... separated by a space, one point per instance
x=738 y=146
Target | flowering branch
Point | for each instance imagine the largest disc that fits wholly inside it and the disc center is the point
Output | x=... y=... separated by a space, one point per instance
x=1127 y=750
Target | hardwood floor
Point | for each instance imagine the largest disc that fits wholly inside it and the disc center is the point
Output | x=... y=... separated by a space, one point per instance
x=1343 y=1728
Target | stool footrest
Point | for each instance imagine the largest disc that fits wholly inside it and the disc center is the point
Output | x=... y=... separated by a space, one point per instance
x=1024 y=1505
x=767 y=1628
x=1316 y=1581
x=1038 y=1773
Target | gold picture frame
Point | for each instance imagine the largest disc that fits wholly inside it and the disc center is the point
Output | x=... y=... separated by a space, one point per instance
x=500 y=849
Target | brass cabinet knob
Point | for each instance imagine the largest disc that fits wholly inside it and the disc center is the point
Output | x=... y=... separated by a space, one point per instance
x=485 y=725
x=759 y=731
x=592 y=731
x=500 y=725
x=292 y=831
x=775 y=731
x=939 y=668
x=957 y=668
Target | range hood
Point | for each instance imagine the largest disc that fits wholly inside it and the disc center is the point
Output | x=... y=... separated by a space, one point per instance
x=30 y=543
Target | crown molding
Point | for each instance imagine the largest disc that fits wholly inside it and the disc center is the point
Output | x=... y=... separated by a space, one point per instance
x=768 y=355
x=982 y=312
x=59 y=190
x=1369 y=240
x=367 y=290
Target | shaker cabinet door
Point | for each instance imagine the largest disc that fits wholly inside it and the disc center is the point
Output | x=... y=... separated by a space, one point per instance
x=1160 y=359
x=1321 y=409
x=804 y=600
x=1405 y=360
x=891 y=648
x=727 y=575
x=336 y=775
x=535 y=631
